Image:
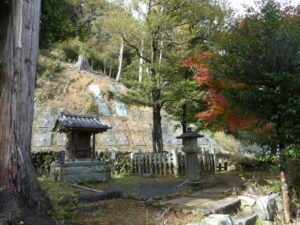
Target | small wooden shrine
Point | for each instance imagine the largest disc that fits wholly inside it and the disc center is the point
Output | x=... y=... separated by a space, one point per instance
x=80 y=138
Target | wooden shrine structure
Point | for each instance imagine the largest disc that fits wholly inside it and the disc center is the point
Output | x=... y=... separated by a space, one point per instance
x=80 y=135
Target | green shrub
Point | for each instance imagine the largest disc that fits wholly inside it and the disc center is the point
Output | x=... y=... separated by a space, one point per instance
x=69 y=54
x=57 y=67
x=48 y=74
x=122 y=164
x=40 y=68
x=42 y=160
x=42 y=97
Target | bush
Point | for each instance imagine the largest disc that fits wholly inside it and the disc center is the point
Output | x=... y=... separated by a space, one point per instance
x=122 y=163
x=70 y=54
x=57 y=67
x=42 y=160
x=48 y=74
x=42 y=97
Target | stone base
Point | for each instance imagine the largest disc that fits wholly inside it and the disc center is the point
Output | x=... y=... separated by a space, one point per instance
x=81 y=171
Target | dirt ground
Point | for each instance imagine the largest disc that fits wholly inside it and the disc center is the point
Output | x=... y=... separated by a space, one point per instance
x=126 y=211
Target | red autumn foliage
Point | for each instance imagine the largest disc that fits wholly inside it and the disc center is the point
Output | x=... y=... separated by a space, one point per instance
x=218 y=107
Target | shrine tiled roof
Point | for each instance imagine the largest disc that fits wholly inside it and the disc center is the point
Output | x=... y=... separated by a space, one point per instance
x=71 y=122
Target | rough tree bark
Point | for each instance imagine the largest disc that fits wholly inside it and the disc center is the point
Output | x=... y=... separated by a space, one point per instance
x=19 y=32
x=157 y=141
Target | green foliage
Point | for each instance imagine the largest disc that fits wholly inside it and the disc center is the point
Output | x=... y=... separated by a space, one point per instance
x=48 y=74
x=122 y=164
x=60 y=22
x=57 y=67
x=43 y=96
x=62 y=208
x=40 y=68
x=260 y=222
x=262 y=52
x=41 y=161
x=70 y=53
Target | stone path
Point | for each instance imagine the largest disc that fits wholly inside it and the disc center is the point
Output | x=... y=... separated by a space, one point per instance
x=155 y=190
x=213 y=199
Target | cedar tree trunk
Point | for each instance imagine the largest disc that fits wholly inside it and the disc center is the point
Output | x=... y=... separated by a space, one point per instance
x=19 y=32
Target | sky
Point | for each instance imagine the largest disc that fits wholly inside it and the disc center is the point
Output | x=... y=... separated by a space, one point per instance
x=237 y=5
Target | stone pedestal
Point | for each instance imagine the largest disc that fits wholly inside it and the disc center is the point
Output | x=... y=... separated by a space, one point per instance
x=193 y=169
x=81 y=171
x=190 y=147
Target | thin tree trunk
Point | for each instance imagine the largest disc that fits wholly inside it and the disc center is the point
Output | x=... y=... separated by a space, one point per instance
x=157 y=141
x=141 y=63
x=19 y=26
x=161 y=51
x=285 y=196
x=183 y=120
x=120 y=60
x=104 y=69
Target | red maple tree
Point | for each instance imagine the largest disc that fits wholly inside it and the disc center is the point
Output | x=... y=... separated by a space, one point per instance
x=220 y=110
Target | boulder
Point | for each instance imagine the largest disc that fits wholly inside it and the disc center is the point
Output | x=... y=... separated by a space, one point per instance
x=246 y=200
x=245 y=219
x=82 y=64
x=266 y=207
x=226 y=205
x=217 y=219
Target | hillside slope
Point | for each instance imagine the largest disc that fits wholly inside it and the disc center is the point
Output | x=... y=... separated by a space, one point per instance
x=90 y=93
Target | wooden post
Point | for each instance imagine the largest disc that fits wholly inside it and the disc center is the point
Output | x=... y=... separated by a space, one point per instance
x=150 y=163
x=155 y=163
x=164 y=158
x=175 y=162
x=93 y=151
x=159 y=163
x=146 y=158
x=139 y=164
x=75 y=136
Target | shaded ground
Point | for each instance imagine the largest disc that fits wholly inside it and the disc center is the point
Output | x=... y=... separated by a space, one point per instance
x=161 y=189
x=129 y=211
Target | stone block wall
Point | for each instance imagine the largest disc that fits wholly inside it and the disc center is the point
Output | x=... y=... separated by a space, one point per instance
x=131 y=131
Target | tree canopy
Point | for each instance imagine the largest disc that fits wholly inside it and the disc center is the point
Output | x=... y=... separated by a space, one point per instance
x=59 y=22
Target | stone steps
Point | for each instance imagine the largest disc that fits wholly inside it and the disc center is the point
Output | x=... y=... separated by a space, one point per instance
x=227 y=205
x=225 y=219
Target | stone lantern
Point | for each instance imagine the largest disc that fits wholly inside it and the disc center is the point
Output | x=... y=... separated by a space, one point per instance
x=190 y=147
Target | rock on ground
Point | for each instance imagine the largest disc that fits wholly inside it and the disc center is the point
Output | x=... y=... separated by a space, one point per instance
x=217 y=219
x=244 y=219
x=226 y=205
x=266 y=207
x=82 y=64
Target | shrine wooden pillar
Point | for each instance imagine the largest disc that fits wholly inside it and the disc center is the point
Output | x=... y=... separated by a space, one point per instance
x=93 y=149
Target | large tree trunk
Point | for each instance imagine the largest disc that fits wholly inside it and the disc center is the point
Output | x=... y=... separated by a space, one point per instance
x=120 y=60
x=157 y=140
x=19 y=32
